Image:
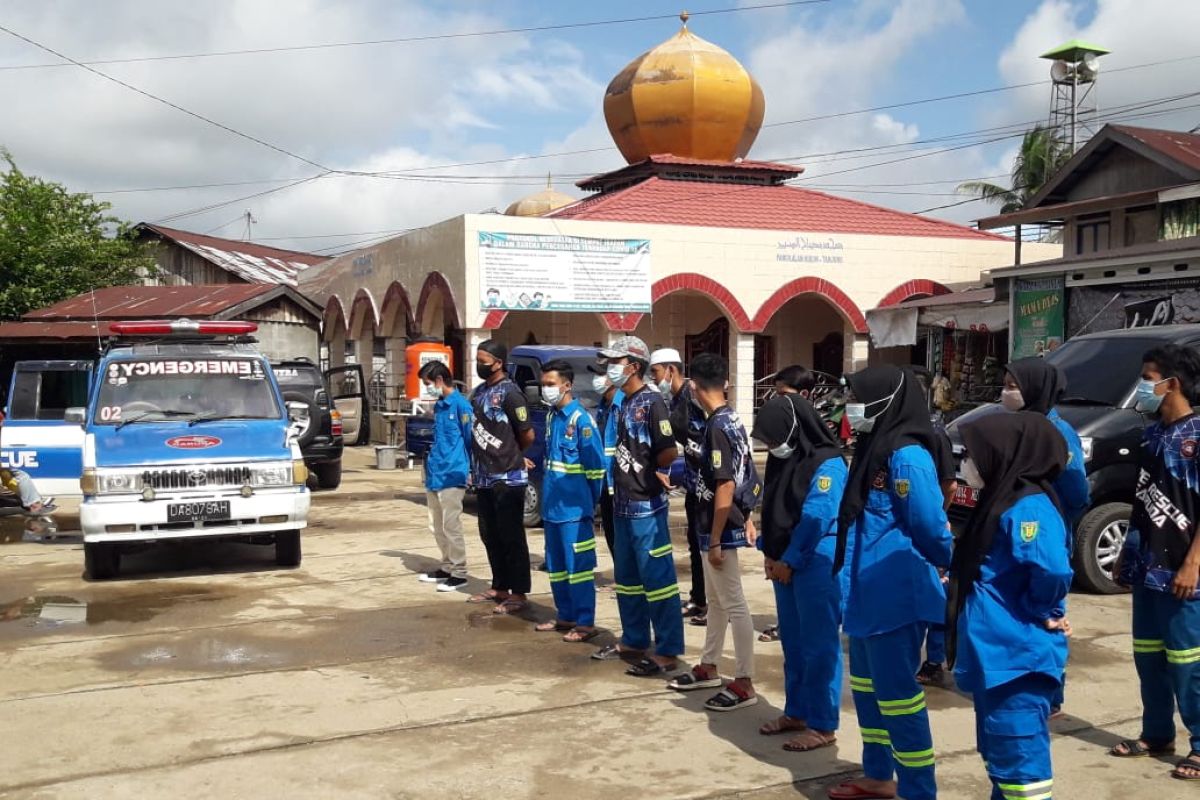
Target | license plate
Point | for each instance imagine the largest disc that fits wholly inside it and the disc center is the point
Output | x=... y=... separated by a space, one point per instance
x=965 y=496
x=207 y=511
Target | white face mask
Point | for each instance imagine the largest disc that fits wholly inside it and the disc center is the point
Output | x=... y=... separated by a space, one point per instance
x=600 y=384
x=431 y=391
x=551 y=395
x=856 y=413
x=785 y=450
x=971 y=475
x=665 y=387
x=1012 y=399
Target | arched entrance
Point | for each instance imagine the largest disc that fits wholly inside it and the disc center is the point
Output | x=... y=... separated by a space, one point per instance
x=810 y=321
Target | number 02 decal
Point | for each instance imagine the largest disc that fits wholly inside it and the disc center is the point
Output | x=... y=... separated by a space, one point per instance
x=110 y=413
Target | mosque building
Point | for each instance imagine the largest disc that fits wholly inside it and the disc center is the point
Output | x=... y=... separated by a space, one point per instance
x=690 y=245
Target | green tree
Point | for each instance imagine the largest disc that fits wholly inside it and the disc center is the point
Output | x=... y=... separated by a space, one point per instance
x=56 y=244
x=1041 y=155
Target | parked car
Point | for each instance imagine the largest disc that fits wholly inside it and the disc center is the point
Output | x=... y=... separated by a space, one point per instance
x=320 y=428
x=1102 y=370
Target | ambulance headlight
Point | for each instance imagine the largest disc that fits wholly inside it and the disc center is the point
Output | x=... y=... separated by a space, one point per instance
x=275 y=473
x=118 y=481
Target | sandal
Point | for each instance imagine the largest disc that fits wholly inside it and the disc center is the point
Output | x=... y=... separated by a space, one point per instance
x=852 y=791
x=1191 y=765
x=554 y=626
x=490 y=596
x=578 y=636
x=730 y=699
x=770 y=634
x=784 y=724
x=510 y=606
x=648 y=668
x=696 y=679
x=815 y=741
x=1135 y=748
x=613 y=652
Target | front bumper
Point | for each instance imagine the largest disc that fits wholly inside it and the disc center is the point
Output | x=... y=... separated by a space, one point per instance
x=98 y=514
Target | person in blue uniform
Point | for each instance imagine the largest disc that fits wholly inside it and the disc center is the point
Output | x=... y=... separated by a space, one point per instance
x=570 y=490
x=647 y=588
x=606 y=421
x=1033 y=384
x=892 y=510
x=803 y=487
x=1160 y=560
x=1010 y=575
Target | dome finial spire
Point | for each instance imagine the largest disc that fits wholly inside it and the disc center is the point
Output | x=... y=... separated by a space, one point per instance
x=684 y=17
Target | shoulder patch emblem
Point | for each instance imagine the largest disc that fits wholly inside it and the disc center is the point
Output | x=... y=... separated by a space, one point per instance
x=902 y=487
x=824 y=483
x=1029 y=531
x=1188 y=448
x=587 y=432
x=664 y=427
x=522 y=413
x=716 y=459
x=465 y=418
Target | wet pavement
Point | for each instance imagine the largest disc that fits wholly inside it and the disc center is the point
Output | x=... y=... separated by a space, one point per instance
x=205 y=671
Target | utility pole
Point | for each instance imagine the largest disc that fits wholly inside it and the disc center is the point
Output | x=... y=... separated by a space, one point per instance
x=250 y=220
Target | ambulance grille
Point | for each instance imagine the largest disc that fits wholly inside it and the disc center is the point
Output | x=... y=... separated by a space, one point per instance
x=196 y=477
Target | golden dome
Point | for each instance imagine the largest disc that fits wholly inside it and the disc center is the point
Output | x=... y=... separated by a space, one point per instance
x=686 y=97
x=540 y=203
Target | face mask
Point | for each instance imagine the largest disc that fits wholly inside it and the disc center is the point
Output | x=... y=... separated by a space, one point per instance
x=665 y=387
x=600 y=384
x=551 y=395
x=616 y=375
x=430 y=390
x=1147 y=401
x=484 y=371
x=856 y=413
x=1012 y=399
x=782 y=451
x=971 y=475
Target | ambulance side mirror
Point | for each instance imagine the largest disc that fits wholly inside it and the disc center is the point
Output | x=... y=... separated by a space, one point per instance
x=75 y=416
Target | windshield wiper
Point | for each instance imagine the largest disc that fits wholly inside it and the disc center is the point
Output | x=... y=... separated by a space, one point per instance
x=209 y=417
x=168 y=413
x=1082 y=401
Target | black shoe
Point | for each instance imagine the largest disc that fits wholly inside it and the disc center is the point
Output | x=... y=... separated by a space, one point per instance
x=931 y=674
x=452 y=584
x=542 y=567
x=434 y=577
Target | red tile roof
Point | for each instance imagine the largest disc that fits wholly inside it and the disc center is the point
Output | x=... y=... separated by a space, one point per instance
x=1175 y=145
x=783 y=208
x=148 y=302
x=251 y=262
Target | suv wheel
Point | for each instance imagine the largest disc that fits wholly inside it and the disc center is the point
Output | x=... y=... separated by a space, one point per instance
x=329 y=474
x=287 y=548
x=101 y=560
x=1098 y=542
x=533 y=506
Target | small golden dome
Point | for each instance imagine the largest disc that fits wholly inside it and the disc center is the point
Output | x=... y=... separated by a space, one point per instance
x=540 y=203
x=686 y=97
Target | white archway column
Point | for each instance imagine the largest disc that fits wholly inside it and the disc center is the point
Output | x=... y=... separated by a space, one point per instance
x=472 y=338
x=858 y=350
x=741 y=376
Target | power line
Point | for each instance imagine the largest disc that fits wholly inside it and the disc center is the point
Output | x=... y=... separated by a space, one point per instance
x=238 y=218
x=222 y=204
x=423 y=38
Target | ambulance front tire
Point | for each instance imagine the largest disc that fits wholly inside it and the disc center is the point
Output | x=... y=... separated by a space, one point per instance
x=1098 y=541
x=287 y=549
x=101 y=560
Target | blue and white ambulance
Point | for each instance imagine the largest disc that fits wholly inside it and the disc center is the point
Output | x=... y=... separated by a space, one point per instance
x=184 y=435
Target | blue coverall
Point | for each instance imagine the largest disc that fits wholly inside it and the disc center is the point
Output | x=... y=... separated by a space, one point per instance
x=571 y=488
x=810 y=606
x=1007 y=659
x=1074 y=496
x=899 y=540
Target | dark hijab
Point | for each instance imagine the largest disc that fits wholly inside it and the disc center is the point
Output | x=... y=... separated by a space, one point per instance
x=789 y=419
x=1017 y=455
x=904 y=421
x=1041 y=383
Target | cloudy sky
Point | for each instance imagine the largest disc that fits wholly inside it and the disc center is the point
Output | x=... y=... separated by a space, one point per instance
x=449 y=121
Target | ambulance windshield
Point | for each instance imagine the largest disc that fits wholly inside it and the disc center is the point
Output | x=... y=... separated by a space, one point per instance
x=153 y=390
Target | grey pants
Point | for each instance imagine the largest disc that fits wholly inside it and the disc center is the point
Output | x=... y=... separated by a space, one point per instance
x=445 y=521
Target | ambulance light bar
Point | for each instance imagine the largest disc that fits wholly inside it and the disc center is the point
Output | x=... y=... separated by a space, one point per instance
x=183 y=326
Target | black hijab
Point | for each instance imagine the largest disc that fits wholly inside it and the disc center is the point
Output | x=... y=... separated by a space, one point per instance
x=1041 y=383
x=1017 y=455
x=904 y=421
x=789 y=419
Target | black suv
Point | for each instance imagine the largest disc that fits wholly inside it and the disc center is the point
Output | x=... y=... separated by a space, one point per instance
x=1102 y=370
x=301 y=381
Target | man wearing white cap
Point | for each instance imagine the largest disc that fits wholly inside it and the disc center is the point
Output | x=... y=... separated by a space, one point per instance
x=647 y=589
x=688 y=421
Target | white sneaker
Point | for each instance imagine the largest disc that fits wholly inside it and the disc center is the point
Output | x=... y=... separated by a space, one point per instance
x=452 y=584
x=433 y=577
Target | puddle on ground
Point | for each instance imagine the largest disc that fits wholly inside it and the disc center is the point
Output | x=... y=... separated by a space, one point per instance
x=51 y=609
x=19 y=528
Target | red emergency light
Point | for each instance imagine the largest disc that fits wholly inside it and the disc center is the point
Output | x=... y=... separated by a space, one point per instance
x=183 y=326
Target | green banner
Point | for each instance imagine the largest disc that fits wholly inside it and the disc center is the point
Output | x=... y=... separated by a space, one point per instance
x=1038 y=315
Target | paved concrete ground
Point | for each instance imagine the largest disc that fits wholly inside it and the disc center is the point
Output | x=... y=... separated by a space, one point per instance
x=206 y=672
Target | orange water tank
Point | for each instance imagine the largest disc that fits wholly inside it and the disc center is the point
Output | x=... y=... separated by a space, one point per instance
x=417 y=355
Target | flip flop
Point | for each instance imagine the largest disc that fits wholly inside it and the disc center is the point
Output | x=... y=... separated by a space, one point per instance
x=485 y=597
x=826 y=741
x=777 y=726
x=1192 y=763
x=1135 y=749
x=576 y=636
x=510 y=607
x=851 y=791
x=769 y=634
x=557 y=626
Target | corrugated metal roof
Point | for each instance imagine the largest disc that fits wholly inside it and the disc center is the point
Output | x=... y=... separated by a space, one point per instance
x=149 y=302
x=251 y=262
x=53 y=330
x=1175 y=145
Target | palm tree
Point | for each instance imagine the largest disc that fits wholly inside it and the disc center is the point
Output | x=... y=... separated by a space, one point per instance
x=1041 y=155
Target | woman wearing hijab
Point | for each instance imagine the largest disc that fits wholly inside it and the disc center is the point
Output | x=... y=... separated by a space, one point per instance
x=892 y=511
x=804 y=482
x=1032 y=384
x=1011 y=573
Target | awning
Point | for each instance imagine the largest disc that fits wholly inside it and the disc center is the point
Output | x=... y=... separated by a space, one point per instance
x=972 y=310
x=893 y=327
x=976 y=317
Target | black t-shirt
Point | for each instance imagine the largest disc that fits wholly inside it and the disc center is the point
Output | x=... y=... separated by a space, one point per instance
x=500 y=414
x=726 y=457
x=643 y=432
x=688 y=421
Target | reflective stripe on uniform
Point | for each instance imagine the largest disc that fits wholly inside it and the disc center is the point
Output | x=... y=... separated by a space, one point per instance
x=556 y=577
x=610 y=451
x=1026 y=791
x=584 y=546
x=902 y=708
x=594 y=474
x=876 y=736
x=629 y=590
x=564 y=467
x=1148 y=646
x=660 y=551
x=914 y=759
x=864 y=685
x=663 y=593
x=582 y=577
x=1183 y=656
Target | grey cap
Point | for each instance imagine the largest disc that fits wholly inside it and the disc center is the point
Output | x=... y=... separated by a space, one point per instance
x=628 y=347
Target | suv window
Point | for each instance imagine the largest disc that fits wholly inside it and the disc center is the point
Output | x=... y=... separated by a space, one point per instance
x=1101 y=371
x=299 y=377
x=46 y=395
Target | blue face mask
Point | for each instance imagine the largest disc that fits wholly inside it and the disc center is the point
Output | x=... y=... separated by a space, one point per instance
x=1146 y=401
